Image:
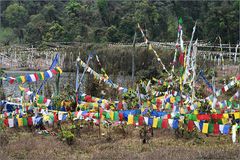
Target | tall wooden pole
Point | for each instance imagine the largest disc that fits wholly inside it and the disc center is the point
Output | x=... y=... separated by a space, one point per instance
x=99 y=121
x=133 y=59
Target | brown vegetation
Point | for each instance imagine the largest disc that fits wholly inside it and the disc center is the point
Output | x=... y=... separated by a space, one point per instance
x=164 y=145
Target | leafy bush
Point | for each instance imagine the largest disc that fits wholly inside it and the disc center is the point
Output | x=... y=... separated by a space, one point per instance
x=6 y=36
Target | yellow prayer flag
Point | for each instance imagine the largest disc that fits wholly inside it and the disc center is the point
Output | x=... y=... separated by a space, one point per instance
x=154 y=106
x=155 y=122
x=237 y=115
x=20 y=122
x=224 y=120
x=21 y=88
x=42 y=74
x=172 y=99
x=205 y=128
x=225 y=115
x=182 y=111
x=130 y=119
x=195 y=111
x=23 y=79
x=111 y=115
x=59 y=69
x=45 y=118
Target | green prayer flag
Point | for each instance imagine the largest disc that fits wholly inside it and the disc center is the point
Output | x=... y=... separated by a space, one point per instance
x=116 y=117
x=180 y=21
x=40 y=76
x=107 y=115
x=19 y=80
x=136 y=118
x=51 y=117
x=178 y=98
x=229 y=103
x=185 y=121
x=154 y=101
x=25 y=123
x=210 y=128
x=40 y=99
x=193 y=117
x=159 y=125
x=220 y=121
x=96 y=115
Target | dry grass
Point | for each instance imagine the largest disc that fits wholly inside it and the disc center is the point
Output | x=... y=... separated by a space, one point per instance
x=23 y=144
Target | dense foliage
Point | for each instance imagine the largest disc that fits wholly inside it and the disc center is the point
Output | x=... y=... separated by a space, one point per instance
x=35 y=21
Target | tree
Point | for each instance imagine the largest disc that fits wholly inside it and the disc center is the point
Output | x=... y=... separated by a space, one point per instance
x=16 y=16
x=6 y=36
x=50 y=13
x=54 y=33
x=36 y=28
x=113 y=34
x=103 y=9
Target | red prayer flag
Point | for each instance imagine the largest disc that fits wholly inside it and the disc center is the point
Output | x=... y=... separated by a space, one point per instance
x=101 y=112
x=190 y=125
x=203 y=117
x=216 y=128
x=181 y=59
x=238 y=77
x=44 y=100
x=219 y=116
x=169 y=116
x=120 y=116
x=36 y=76
x=165 y=123
x=54 y=71
x=30 y=122
x=140 y=120
x=88 y=98
x=5 y=122
x=55 y=117
x=120 y=106
x=11 y=81
x=223 y=90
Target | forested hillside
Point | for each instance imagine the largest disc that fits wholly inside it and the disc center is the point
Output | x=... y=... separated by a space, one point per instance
x=35 y=21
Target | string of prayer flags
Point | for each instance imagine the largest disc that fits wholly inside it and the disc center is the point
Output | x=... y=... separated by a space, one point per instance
x=151 y=48
x=21 y=79
x=33 y=77
x=224 y=88
x=102 y=78
x=42 y=100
